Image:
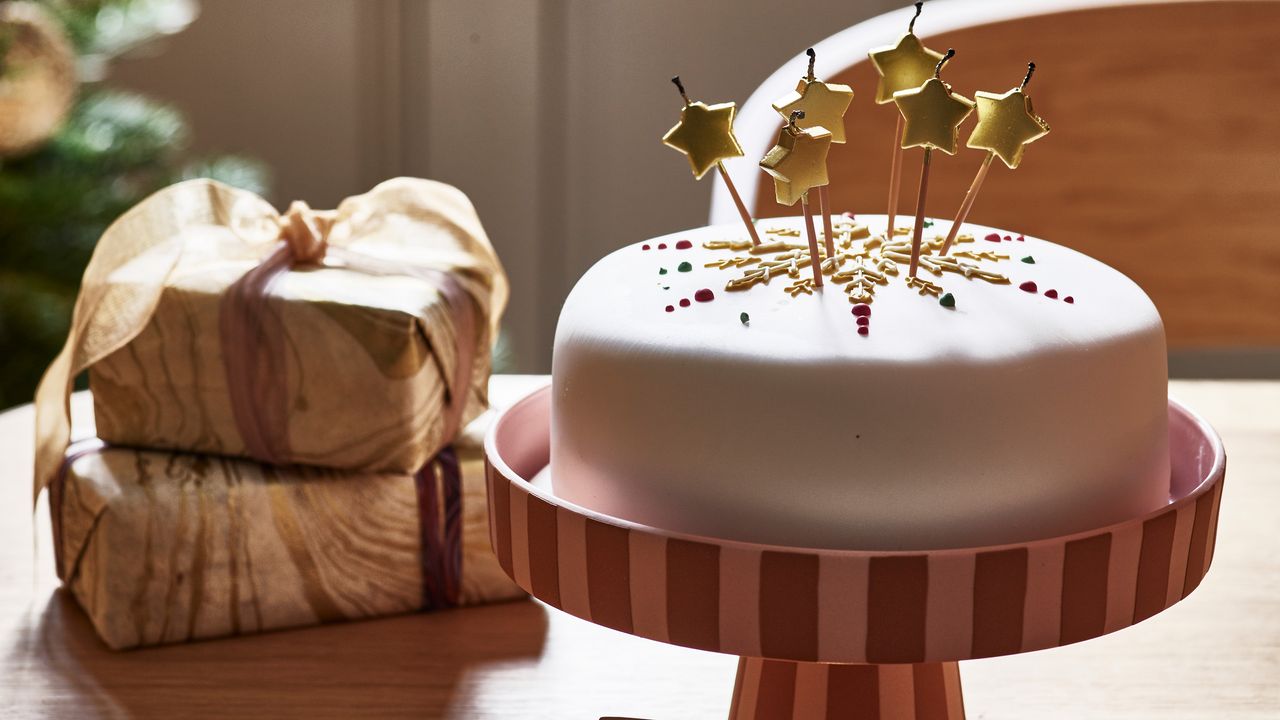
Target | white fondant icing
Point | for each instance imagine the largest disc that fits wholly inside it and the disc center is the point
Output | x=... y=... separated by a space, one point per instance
x=1012 y=416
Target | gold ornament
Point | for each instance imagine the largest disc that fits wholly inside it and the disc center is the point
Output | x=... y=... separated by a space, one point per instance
x=1007 y=123
x=798 y=162
x=904 y=65
x=933 y=114
x=818 y=105
x=37 y=76
x=705 y=134
x=824 y=104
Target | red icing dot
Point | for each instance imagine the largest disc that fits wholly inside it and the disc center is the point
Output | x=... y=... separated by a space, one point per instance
x=863 y=330
x=662 y=246
x=670 y=308
x=684 y=245
x=1008 y=238
x=862 y=310
x=684 y=302
x=644 y=247
x=1070 y=300
x=1020 y=239
x=992 y=237
x=864 y=321
x=704 y=295
x=1028 y=286
x=1051 y=294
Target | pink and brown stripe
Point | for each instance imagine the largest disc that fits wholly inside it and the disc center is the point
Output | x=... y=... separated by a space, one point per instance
x=781 y=690
x=849 y=607
x=846 y=606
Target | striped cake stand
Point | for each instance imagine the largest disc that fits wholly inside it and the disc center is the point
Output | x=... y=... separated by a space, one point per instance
x=847 y=633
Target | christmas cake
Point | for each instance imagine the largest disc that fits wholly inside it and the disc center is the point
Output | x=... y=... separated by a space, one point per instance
x=1016 y=389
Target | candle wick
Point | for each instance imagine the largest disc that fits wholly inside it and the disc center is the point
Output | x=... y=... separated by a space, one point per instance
x=937 y=71
x=911 y=27
x=680 y=87
x=1031 y=68
x=812 y=58
x=795 y=115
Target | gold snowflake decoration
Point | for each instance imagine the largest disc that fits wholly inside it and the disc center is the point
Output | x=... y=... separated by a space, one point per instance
x=862 y=262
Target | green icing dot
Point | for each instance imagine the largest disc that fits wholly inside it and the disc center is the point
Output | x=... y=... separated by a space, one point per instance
x=928 y=223
x=947 y=301
x=666 y=287
x=1029 y=260
x=684 y=267
x=662 y=271
x=744 y=318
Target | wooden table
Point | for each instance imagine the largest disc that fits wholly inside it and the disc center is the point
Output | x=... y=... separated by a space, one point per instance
x=1217 y=654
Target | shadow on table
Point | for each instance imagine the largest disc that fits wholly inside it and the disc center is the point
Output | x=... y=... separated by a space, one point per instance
x=408 y=665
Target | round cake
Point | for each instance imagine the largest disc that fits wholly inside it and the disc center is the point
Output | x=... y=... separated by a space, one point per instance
x=1016 y=390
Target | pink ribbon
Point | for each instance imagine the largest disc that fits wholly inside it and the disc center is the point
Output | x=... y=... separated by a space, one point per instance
x=252 y=335
x=57 y=491
x=441 y=531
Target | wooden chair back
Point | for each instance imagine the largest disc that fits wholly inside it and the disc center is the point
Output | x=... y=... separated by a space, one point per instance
x=1163 y=160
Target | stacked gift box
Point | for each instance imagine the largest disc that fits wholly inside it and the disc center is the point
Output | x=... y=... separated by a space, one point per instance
x=289 y=414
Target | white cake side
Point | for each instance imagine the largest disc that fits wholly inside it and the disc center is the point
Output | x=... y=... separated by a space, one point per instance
x=1010 y=416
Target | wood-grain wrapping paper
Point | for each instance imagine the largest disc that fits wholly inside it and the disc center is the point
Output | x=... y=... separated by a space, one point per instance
x=162 y=547
x=357 y=336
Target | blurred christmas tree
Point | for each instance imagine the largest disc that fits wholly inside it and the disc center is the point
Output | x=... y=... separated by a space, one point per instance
x=74 y=155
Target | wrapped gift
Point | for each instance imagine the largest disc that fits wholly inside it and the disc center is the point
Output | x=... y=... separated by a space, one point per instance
x=162 y=547
x=357 y=338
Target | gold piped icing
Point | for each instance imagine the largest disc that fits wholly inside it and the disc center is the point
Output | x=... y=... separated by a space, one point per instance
x=862 y=262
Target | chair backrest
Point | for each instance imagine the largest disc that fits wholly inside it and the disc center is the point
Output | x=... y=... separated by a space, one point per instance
x=1164 y=156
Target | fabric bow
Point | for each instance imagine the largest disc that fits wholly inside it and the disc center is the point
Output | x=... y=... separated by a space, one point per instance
x=307 y=232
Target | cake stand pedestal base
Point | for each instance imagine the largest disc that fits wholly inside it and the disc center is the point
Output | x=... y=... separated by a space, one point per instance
x=767 y=689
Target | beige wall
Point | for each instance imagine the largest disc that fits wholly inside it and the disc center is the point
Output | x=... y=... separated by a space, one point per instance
x=294 y=82
x=546 y=112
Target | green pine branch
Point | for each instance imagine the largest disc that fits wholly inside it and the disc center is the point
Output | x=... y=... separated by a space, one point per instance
x=114 y=150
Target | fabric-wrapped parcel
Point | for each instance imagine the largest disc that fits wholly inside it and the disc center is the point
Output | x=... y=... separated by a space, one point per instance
x=162 y=547
x=356 y=338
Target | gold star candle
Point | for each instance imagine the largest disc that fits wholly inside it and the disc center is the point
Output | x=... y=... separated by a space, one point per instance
x=823 y=105
x=1006 y=125
x=705 y=135
x=932 y=113
x=798 y=163
x=904 y=65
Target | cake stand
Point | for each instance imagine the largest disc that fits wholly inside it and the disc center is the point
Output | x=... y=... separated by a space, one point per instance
x=847 y=633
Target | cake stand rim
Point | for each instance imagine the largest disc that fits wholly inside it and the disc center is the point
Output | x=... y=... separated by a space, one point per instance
x=1212 y=476
x=832 y=606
